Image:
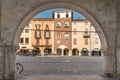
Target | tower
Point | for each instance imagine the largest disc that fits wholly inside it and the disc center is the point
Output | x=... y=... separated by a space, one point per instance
x=62 y=34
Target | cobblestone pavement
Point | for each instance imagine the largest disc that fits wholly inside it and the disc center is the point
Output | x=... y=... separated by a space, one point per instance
x=61 y=68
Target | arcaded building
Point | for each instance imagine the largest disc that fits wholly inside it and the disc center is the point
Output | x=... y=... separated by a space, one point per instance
x=37 y=37
x=85 y=39
x=62 y=35
x=42 y=35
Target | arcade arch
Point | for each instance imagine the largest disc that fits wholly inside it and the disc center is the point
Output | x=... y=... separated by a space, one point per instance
x=63 y=4
x=75 y=52
x=27 y=18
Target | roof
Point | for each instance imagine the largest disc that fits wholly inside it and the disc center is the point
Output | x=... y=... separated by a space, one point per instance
x=62 y=11
x=42 y=19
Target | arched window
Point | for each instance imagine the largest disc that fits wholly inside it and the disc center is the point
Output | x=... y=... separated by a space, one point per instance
x=66 y=24
x=58 y=24
x=47 y=32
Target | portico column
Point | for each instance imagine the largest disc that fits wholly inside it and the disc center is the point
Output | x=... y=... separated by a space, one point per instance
x=118 y=36
x=109 y=63
x=118 y=52
x=1 y=63
x=7 y=59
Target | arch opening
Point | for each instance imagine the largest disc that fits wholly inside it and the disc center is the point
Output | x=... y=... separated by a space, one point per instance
x=76 y=8
x=48 y=51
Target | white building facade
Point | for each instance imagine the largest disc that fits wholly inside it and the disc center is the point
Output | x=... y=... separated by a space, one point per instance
x=25 y=38
x=85 y=40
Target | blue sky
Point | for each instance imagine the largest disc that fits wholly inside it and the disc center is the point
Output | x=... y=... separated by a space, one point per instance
x=48 y=14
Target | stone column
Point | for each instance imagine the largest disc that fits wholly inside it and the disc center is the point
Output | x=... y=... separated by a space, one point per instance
x=1 y=55
x=70 y=53
x=1 y=63
x=118 y=36
x=118 y=53
x=109 y=63
x=7 y=66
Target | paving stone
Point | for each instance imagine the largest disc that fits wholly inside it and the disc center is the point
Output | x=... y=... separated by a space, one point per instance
x=61 y=68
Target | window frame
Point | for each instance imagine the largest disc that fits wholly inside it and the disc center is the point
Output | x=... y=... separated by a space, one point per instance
x=58 y=24
x=66 y=24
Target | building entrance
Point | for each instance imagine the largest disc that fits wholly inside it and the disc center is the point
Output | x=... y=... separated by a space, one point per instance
x=75 y=52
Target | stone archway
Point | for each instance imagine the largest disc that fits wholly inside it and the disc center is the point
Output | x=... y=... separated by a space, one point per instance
x=68 y=6
x=94 y=22
x=75 y=52
x=47 y=51
x=84 y=52
x=10 y=33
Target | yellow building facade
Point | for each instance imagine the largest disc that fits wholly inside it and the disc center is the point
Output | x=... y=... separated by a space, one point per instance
x=42 y=35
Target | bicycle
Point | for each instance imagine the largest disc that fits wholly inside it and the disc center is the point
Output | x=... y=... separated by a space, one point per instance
x=19 y=68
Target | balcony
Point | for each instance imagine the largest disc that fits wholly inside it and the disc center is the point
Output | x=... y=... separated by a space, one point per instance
x=86 y=35
x=41 y=45
x=45 y=45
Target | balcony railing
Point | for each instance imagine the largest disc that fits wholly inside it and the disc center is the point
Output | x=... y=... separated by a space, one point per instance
x=86 y=35
x=41 y=45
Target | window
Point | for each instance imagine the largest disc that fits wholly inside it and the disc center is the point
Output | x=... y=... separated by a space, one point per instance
x=37 y=27
x=86 y=41
x=47 y=35
x=96 y=40
x=21 y=40
x=26 y=30
x=67 y=15
x=75 y=32
x=37 y=34
x=47 y=32
x=58 y=15
x=47 y=42
x=58 y=41
x=75 y=41
x=58 y=35
x=86 y=23
x=58 y=24
x=46 y=28
x=27 y=40
x=86 y=31
x=66 y=24
x=66 y=36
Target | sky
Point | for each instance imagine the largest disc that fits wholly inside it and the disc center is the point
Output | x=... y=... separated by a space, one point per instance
x=48 y=14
